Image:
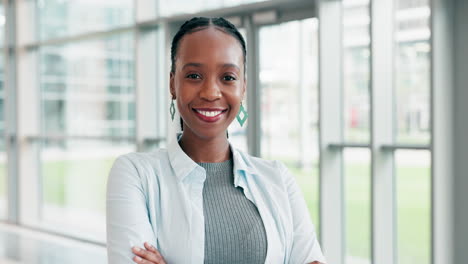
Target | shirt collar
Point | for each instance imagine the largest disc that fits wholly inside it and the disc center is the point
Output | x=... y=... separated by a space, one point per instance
x=183 y=165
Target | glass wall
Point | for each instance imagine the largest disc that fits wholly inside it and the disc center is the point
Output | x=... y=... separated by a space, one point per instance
x=170 y=8
x=2 y=25
x=3 y=158
x=413 y=176
x=59 y=18
x=88 y=114
x=356 y=128
x=88 y=87
x=356 y=75
x=412 y=91
x=412 y=74
x=289 y=101
x=357 y=174
x=92 y=59
x=412 y=119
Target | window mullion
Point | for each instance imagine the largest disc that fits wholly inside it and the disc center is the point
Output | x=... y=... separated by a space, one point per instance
x=146 y=87
x=253 y=92
x=442 y=131
x=10 y=110
x=332 y=220
x=384 y=230
x=28 y=118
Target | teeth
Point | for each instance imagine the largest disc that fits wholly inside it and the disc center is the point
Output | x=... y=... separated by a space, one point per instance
x=209 y=113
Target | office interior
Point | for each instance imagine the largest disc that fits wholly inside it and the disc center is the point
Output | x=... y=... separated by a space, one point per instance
x=363 y=100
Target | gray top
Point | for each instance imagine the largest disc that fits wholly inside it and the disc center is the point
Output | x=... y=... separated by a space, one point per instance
x=234 y=231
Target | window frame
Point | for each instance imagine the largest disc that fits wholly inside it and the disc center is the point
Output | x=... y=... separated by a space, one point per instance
x=152 y=34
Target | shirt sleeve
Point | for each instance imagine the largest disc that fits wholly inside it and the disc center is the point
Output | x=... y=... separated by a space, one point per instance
x=127 y=220
x=305 y=247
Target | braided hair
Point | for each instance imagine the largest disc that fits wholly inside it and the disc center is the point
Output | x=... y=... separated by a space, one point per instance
x=200 y=23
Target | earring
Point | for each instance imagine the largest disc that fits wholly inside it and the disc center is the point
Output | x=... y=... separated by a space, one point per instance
x=172 y=110
x=241 y=115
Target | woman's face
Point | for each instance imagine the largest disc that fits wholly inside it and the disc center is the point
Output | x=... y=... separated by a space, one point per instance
x=209 y=82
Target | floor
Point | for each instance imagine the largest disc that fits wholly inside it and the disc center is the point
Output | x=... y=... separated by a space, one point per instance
x=24 y=246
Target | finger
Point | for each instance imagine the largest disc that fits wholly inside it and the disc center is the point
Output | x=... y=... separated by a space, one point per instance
x=146 y=255
x=151 y=248
x=139 y=260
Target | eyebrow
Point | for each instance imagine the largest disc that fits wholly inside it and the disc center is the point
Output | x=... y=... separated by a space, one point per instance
x=226 y=65
x=193 y=64
x=196 y=64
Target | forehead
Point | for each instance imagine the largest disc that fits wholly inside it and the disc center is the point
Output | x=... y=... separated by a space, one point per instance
x=210 y=44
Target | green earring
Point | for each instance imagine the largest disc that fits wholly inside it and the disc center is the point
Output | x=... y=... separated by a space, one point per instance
x=172 y=110
x=242 y=115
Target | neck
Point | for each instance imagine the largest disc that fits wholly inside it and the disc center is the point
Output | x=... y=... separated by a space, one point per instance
x=205 y=150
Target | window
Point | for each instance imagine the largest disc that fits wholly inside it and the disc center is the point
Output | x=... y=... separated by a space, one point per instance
x=77 y=102
x=58 y=18
x=407 y=150
x=357 y=173
x=356 y=118
x=3 y=158
x=356 y=79
x=413 y=167
x=100 y=76
x=413 y=177
x=289 y=102
x=170 y=8
x=412 y=71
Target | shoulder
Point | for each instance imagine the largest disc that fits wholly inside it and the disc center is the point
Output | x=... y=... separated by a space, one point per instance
x=274 y=169
x=141 y=161
x=138 y=171
x=142 y=157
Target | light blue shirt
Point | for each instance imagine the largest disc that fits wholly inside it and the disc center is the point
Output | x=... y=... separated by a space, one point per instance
x=157 y=197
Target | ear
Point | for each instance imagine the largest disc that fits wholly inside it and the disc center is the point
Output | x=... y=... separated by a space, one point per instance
x=171 y=85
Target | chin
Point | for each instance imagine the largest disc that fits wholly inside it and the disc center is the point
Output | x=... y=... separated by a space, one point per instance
x=212 y=133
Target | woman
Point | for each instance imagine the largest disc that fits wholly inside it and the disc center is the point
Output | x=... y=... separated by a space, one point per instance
x=201 y=200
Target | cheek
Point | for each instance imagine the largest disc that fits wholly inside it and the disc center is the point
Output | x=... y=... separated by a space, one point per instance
x=182 y=104
x=235 y=90
x=185 y=94
x=235 y=102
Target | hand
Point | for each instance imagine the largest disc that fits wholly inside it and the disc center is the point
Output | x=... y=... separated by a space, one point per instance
x=149 y=255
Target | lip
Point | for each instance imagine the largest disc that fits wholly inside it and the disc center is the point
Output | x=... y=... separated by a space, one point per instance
x=210 y=109
x=209 y=119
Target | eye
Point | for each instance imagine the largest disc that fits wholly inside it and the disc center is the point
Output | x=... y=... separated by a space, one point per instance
x=229 y=78
x=193 y=76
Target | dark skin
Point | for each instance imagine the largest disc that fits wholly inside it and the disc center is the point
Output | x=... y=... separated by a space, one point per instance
x=209 y=74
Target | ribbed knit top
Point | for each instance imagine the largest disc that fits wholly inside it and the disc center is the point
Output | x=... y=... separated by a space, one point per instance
x=234 y=231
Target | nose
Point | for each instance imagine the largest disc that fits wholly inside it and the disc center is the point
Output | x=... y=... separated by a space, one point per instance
x=210 y=90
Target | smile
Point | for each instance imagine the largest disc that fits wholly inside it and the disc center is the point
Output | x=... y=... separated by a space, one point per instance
x=209 y=115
